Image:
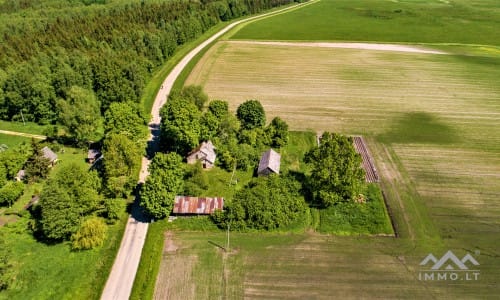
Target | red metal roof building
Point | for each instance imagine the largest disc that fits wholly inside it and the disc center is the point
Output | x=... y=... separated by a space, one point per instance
x=197 y=205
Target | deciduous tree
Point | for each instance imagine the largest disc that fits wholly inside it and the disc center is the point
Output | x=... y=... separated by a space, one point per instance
x=251 y=114
x=336 y=174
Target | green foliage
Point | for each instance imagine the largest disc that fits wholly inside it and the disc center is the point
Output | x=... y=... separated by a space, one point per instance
x=267 y=203
x=336 y=174
x=277 y=132
x=113 y=209
x=66 y=198
x=13 y=159
x=251 y=114
x=196 y=181
x=10 y=192
x=91 y=234
x=121 y=162
x=218 y=108
x=164 y=183
x=180 y=126
x=80 y=114
x=368 y=217
x=191 y=93
x=125 y=118
x=37 y=165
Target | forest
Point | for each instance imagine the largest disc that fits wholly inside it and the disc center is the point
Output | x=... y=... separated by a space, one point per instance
x=105 y=50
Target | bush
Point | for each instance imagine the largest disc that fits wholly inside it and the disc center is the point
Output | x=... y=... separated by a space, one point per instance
x=91 y=234
x=10 y=192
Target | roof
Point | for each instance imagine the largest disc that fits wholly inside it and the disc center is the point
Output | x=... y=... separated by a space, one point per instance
x=93 y=154
x=49 y=154
x=207 y=149
x=270 y=159
x=197 y=205
x=21 y=174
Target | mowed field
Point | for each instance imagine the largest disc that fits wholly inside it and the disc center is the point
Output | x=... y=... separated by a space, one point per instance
x=432 y=123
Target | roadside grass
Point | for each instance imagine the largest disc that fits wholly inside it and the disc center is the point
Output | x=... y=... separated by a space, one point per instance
x=12 y=141
x=457 y=21
x=29 y=127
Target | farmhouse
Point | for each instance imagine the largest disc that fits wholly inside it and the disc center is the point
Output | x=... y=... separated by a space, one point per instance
x=186 y=205
x=93 y=155
x=205 y=153
x=50 y=155
x=269 y=163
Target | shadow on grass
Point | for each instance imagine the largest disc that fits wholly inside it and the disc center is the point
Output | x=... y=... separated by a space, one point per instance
x=420 y=127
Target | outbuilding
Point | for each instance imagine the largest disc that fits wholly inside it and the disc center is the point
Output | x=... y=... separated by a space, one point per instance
x=204 y=153
x=269 y=163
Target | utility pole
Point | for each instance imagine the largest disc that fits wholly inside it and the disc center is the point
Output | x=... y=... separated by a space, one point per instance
x=228 y=229
x=22 y=116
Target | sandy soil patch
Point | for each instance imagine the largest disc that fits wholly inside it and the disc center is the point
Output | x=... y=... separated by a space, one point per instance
x=360 y=46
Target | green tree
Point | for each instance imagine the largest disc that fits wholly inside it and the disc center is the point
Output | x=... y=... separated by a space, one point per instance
x=277 y=132
x=10 y=192
x=336 y=174
x=37 y=165
x=267 y=203
x=180 y=126
x=193 y=94
x=121 y=163
x=218 y=108
x=80 y=114
x=125 y=118
x=251 y=114
x=66 y=198
x=91 y=234
x=196 y=181
x=164 y=183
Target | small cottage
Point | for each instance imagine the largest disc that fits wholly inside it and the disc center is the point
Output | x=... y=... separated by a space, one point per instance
x=269 y=163
x=50 y=155
x=204 y=153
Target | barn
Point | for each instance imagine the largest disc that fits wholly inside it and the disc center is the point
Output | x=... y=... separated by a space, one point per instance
x=269 y=163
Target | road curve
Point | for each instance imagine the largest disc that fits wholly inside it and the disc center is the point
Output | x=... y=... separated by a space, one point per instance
x=121 y=278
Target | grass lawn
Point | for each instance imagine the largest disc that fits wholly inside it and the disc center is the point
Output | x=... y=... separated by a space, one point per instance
x=12 y=141
x=421 y=21
x=29 y=127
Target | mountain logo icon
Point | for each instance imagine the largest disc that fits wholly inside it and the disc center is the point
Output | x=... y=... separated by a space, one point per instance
x=449 y=261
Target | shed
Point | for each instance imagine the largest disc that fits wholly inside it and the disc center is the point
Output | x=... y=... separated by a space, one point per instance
x=197 y=205
x=93 y=155
x=20 y=175
x=205 y=153
x=50 y=155
x=269 y=163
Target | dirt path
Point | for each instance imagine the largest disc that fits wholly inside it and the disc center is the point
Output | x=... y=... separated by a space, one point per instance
x=28 y=135
x=361 y=46
x=121 y=278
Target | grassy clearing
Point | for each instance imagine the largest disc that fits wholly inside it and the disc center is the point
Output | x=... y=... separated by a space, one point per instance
x=429 y=21
x=28 y=127
x=12 y=141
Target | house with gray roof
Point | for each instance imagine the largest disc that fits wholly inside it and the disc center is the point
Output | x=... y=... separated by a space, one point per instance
x=50 y=155
x=204 y=153
x=269 y=163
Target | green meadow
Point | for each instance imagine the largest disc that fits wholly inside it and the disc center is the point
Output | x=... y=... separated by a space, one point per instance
x=399 y=21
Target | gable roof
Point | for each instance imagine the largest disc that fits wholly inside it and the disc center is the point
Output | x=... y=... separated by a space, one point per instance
x=197 y=205
x=270 y=160
x=93 y=154
x=207 y=149
x=49 y=154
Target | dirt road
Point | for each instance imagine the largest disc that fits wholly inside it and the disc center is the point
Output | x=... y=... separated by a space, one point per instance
x=121 y=278
x=29 y=135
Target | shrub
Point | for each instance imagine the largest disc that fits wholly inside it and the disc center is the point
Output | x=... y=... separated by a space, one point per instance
x=91 y=234
x=10 y=192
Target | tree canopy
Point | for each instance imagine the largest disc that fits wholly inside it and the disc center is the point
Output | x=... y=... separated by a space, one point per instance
x=251 y=114
x=336 y=174
x=67 y=197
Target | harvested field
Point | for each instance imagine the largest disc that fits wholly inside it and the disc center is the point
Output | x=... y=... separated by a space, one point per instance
x=371 y=174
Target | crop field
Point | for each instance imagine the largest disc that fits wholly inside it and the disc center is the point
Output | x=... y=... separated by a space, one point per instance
x=431 y=122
